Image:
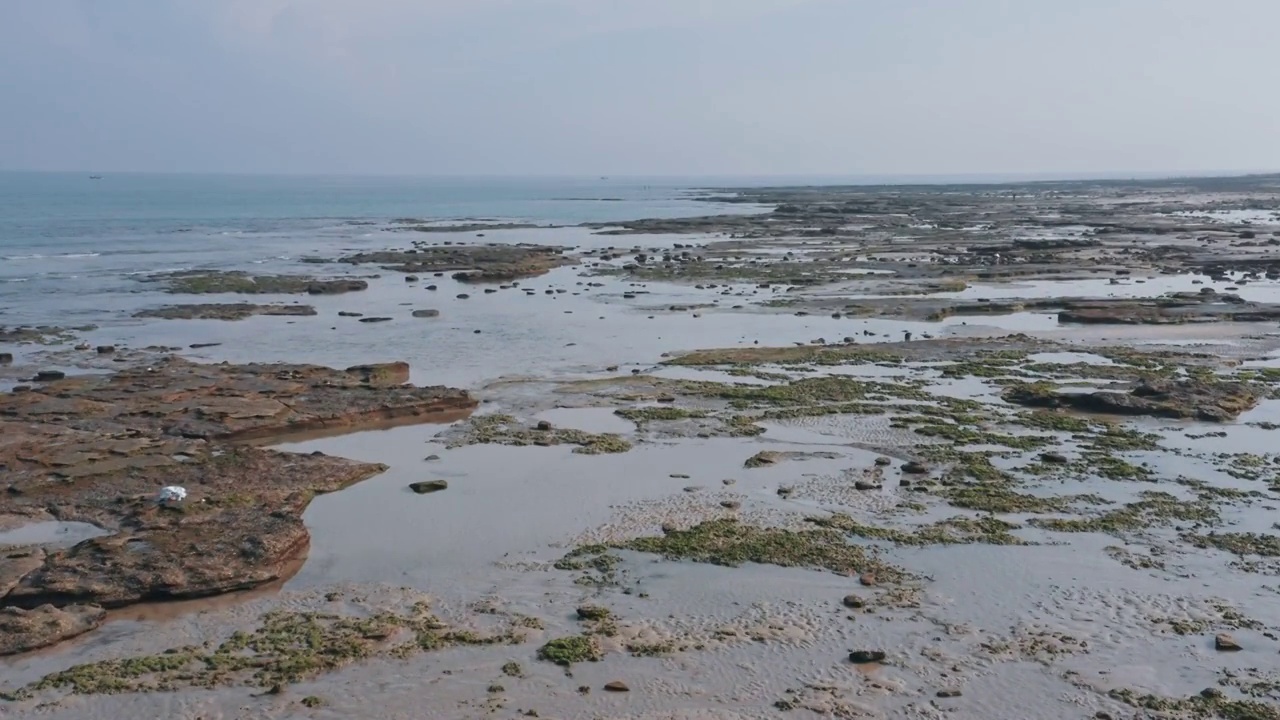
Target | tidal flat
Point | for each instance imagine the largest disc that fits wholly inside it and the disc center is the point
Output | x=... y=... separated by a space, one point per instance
x=910 y=452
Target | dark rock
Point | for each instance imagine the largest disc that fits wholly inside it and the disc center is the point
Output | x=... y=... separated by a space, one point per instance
x=730 y=504
x=617 y=686
x=6 y=358
x=854 y=602
x=1185 y=398
x=411 y=278
x=426 y=313
x=882 y=461
x=347 y=313
x=106 y=349
x=49 y=375
x=1055 y=458
x=862 y=657
x=428 y=486
x=867 y=485
x=915 y=467
x=375 y=320
x=543 y=425
x=463 y=296
x=949 y=693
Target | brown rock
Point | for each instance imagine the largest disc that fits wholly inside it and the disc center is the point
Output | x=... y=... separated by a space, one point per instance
x=862 y=657
x=882 y=461
x=95 y=449
x=949 y=693
x=854 y=602
x=867 y=485
x=915 y=467
x=617 y=686
x=867 y=579
x=1225 y=643
x=22 y=630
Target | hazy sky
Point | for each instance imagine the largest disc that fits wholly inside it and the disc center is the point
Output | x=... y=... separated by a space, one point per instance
x=670 y=87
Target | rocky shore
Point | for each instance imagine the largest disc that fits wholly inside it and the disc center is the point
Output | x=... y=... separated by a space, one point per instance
x=97 y=449
x=951 y=451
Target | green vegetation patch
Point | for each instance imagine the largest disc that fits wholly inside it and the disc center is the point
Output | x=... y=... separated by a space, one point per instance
x=572 y=649
x=1153 y=510
x=730 y=543
x=286 y=648
x=498 y=429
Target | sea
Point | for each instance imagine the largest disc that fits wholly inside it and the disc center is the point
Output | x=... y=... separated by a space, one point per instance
x=71 y=245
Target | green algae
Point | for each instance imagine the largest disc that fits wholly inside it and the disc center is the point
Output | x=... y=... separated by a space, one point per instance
x=572 y=649
x=952 y=531
x=1210 y=704
x=286 y=648
x=1153 y=510
x=1238 y=543
x=660 y=413
x=730 y=543
x=999 y=499
x=498 y=429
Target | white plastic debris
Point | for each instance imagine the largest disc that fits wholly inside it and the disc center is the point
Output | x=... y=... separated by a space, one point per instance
x=171 y=493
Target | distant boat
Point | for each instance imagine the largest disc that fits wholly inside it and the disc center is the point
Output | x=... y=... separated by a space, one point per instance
x=95 y=177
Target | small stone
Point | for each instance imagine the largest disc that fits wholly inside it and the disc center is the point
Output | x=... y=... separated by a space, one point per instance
x=431 y=458
x=669 y=527
x=1100 y=715
x=867 y=485
x=867 y=579
x=106 y=349
x=432 y=287
x=83 y=346
x=1055 y=458
x=463 y=296
x=428 y=486
x=411 y=278
x=617 y=686
x=1226 y=643
x=949 y=693
x=730 y=504
x=348 y=313
x=544 y=426
x=375 y=320
x=679 y=476
x=882 y=461
x=49 y=375
x=426 y=313
x=915 y=467
x=854 y=602
x=6 y=358
x=728 y=481
x=1211 y=693
x=862 y=657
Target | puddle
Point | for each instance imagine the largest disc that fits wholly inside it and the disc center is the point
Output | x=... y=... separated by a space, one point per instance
x=52 y=533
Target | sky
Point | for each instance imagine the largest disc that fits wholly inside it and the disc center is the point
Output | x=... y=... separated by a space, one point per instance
x=640 y=87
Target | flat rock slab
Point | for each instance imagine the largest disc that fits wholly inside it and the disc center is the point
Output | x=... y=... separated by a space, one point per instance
x=23 y=630
x=472 y=263
x=224 y=311
x=1214 y=401
x=96 y=449
x=175 y=397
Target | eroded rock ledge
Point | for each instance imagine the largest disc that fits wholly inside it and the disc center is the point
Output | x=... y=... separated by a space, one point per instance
x=472 y=263
x=96 y=449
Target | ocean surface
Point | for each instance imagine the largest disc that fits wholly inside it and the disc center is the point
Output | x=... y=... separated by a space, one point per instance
x=71 y=246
